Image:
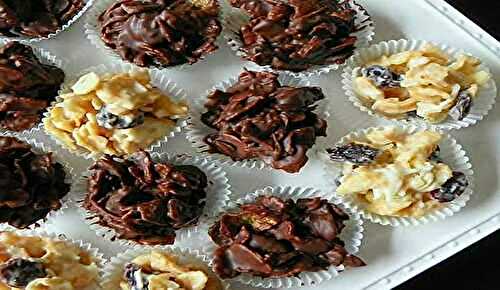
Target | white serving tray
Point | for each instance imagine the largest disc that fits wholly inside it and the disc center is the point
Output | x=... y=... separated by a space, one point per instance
x=393 y=254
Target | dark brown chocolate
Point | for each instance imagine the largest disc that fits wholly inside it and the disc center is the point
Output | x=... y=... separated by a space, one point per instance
x=273 y=237
x=161 y=32
x=31 y=185
x=296 y=34
x=27 y=87
x=144 y=201
x=259 y=118
x=36 y=18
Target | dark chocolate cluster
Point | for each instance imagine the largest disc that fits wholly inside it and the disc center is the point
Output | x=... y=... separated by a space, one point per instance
x=259 y=118
x=161 y=32
x=296 y=34
x=26 y=86
x=31 y=185
x=144 y=201
x=36 y=18
x=280 y=238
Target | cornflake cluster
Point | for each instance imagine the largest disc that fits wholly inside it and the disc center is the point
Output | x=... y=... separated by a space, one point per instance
x=159 y=270
x=26 y=86
x=427 y=83
x=115 y=114
x=296 y=35
x=259 y=118
x=273 y=237
x=161 y=32
x=397 y=174
x=145 y=201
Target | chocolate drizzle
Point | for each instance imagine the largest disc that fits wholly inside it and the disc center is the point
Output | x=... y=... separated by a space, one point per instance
x=161 y=32
x=296 y=35
x=259 y=118
x=144 y=201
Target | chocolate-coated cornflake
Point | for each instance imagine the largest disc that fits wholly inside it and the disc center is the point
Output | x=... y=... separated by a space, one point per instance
x=27 y=87
x=161 y=32
x=273 y=237
x=31 y=185
x=36 y=18
x=259 y=118
x=296 y=34
x=145 y=201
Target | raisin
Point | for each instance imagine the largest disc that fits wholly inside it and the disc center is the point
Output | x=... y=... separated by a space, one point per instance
x=354 y=153
x=462 y=107
x=19 y=273
x=110 y=121
x=382 y=76
x=135 y=277
x=452 y=188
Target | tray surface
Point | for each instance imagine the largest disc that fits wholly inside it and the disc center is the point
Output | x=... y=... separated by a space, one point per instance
x=393 y=254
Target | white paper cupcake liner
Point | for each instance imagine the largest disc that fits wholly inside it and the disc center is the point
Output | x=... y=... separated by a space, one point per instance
x=114 y=269
x=59 y=157
x=451 y=153
x=88 y=4
x=93 y=34
x=158 y=79
x=197 y=130
x=218 y=197
x=352 y=235
x=94 y=252
x=236 y=18
x=45 y=57
x=482 y=104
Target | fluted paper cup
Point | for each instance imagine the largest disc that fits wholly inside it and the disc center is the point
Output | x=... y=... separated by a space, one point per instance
x=236 y=18
x=114 y=269
x=197 y=130
x=451 y=153
x=158 y=80
x=482 y=104
x=352 y=235
x=218 y=196
x=59 y=157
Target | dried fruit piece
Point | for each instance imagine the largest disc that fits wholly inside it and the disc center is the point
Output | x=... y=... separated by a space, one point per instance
x=134 y=277
x=355 y=153
x=382 y=76
x=20 y=272
x=453 y=188
x=111 y=121
x=462 y=107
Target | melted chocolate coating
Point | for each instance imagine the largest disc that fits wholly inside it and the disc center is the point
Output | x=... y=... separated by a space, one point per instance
x=36 y=18
x=296 y=34
x=145 y=201
x=280 y=238
x=259 y=118
x=160 y=32
x=26 y=86
x=31 y=185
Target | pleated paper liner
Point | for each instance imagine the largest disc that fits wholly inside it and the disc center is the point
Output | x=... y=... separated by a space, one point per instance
x=451 y=153
x=236 y=18
x=97 y=256
x=218 y=196
x=197 y=130
x=26 y=39
x=158 y=80
x=482 y=104
x=352 y=235
x=114 y=269
x=59 y=157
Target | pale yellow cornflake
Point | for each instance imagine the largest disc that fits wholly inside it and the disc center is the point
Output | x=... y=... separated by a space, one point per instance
x=130 y=97
x=399 y=181
x=430 y=85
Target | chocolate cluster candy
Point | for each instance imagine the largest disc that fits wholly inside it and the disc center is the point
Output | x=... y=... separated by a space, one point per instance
x=36 y=18
x=161 y=32
x=259 y=118
x=280 y=238
x=31 y=185
x=26 y=86
x=144 y=201
x=296 y=34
